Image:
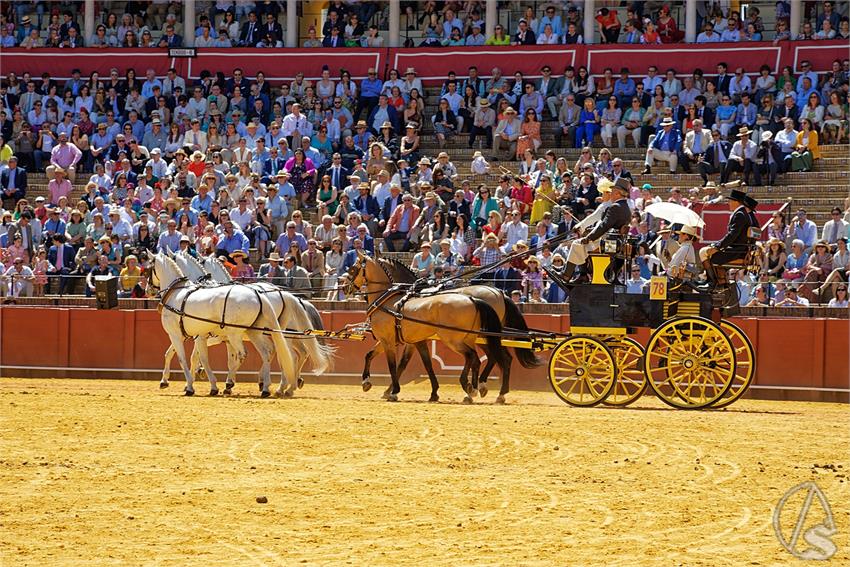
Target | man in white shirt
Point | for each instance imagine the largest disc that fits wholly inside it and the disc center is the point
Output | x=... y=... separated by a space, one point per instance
x=696 y=142
x=242 y=216
x=513 y=231
x=708 y=35
x=786 y=140
x=742 y=158
x=197 y=106
x=295 y=124
x=651 y=80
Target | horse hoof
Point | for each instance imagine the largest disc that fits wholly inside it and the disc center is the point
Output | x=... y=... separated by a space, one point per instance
x=500 y=400
x=386 y=394
x=467 y=400
x=392 y=397
x=366 y=385
x=482 y=390
x=188 y=392
x=260 y=386
x=227 y=391
x=434 y=398
x=264 y=394
x=300 y=383
x=288 y=394
x=214 y=392
x=163 y=385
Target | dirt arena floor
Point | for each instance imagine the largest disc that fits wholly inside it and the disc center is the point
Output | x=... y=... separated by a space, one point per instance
x=96 y=472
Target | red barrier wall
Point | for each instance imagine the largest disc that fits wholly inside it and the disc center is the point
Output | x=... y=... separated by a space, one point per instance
x=797 y=358
x=432 y=65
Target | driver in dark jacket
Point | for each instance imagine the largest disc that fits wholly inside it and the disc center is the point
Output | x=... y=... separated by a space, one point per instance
x=734 y=244
x=616 y=216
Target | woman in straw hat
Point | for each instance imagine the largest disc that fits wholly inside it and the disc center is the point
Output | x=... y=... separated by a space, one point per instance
x=683 y=263
x=774 y=262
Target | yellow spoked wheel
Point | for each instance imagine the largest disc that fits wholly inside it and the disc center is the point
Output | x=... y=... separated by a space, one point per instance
x=745 y=365
x=582 y=371
x=631 y=380
x=689 y=362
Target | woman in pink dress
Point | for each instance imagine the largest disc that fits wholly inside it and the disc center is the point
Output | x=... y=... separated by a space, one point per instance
x=529 y=138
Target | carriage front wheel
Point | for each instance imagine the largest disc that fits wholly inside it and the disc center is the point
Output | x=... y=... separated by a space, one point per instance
x=631 y=381
x=689 y=362
x=582 y=371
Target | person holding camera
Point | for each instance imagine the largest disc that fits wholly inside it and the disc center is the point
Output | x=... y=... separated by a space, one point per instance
x=768 y=157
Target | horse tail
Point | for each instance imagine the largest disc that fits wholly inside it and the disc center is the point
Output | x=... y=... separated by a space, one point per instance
x=304 y=318
x=515 y=321
x=491 y=325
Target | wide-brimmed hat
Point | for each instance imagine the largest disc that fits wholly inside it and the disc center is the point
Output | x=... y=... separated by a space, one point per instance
x=518 y=245
x=744 y=131
x=738 y=195
x=823 y=243
x=483 y=102
x=411 y=125
x=25 y=20
x=446 y=241
x=274 y=257
x=424 y=161
x=604 y=185
x=386 y=124
x=236 y=253
x=410 y=71
x=491 y=236
x=691 y=230
x=198 y=154
x=766 y=136
x=668 y=122
x=364 y=185
x=361 y=124
x=773 y=241
x=533 y=259
x=431 y=195
x=509 y=110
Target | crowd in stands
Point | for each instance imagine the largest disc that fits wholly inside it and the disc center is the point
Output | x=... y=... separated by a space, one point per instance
x=227 y=164
x=241 y=23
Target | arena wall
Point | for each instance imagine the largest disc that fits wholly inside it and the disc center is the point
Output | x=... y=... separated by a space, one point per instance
x=432 y=64
x=803 y=359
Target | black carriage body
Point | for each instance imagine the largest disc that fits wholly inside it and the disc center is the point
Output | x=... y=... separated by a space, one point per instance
x=596 y=305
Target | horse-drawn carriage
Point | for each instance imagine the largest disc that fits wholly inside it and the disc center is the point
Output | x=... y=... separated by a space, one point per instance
x=694 y=358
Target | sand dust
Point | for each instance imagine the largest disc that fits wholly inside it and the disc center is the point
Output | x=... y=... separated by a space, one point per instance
x=119 y=473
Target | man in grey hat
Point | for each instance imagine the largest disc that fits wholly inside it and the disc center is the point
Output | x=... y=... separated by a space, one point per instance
x=664 y=146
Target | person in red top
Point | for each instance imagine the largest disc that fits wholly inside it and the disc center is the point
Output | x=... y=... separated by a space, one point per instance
x=667 y=28
x=197 y=164
x=609 y=25
x=521 y=195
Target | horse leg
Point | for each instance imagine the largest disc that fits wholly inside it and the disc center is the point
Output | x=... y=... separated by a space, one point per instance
x=196 y=367
x=429 y=368
x=464 y=383
x=169 y=355
x=284 y=358
x=391 y=364
x=264 y=348
x=180 y=350
x=367 y=365
x=475 y=369
x=482 y=380
x=406 y=355
x=506 y=376
x=235 y=356
x=202 y=350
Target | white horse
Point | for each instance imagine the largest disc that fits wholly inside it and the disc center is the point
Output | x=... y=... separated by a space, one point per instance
x=302 y=316
x=228 y=313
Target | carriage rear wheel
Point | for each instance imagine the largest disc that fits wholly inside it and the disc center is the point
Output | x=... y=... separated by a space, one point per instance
x=631 y=380
x=689 y=362
x=745 y=365
x=582 y=371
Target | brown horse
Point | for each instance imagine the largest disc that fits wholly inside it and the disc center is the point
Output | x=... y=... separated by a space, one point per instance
x=507 y=311
x=456 y=320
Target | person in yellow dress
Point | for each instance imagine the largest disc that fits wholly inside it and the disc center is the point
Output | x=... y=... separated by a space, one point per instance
x=130 y=275
x=544 y=198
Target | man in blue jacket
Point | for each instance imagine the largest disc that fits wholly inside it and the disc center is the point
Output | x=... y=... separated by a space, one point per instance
x=664 y=147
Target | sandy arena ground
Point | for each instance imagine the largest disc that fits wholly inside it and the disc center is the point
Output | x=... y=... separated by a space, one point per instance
x=119 y=473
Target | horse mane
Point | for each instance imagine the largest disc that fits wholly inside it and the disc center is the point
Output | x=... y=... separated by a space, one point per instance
x=192 y=260
x=402 y=272
x=217 y=263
